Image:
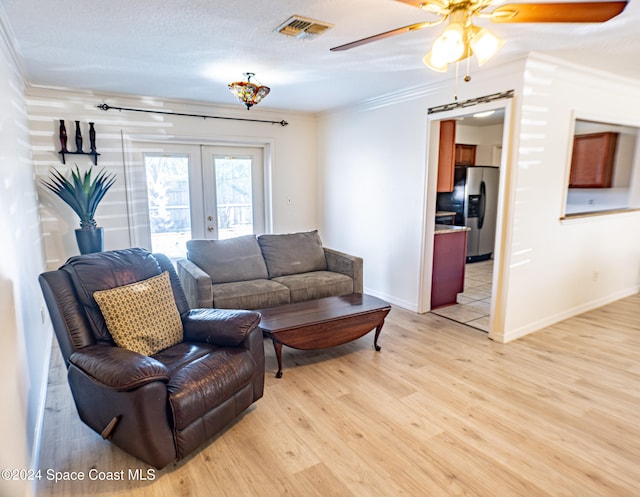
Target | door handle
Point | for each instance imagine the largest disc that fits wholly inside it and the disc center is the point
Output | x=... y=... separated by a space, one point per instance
x=483 y=204
x=209 y=228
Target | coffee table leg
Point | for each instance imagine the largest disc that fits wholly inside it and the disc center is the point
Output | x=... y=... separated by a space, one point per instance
x=375 y=340
x=277 y=346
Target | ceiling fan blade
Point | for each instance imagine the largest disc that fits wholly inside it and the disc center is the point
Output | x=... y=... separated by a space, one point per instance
x=381 y=36
x=557 y=12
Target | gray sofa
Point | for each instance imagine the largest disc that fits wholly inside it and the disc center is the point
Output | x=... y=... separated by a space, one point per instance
x=250 y=272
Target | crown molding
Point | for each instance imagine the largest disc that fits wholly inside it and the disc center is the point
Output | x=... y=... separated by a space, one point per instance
x=392 y=98
x=571 y=67
x=498 y=72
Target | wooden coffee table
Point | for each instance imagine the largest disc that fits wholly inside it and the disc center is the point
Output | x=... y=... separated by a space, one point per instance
x=323 y=323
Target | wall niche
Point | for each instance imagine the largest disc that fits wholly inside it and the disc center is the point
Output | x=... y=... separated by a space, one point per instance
x=602 y=168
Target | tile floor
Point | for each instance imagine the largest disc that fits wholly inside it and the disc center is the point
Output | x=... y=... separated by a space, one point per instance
x=474 y=304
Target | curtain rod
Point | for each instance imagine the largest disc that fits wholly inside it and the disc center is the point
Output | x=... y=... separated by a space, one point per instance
x=471 y=102
x=106 y=107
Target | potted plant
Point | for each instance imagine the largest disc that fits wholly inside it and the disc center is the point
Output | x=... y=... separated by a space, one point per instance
x=83 y=193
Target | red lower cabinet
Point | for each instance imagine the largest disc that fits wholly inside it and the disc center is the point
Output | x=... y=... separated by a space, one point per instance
x=449 y=257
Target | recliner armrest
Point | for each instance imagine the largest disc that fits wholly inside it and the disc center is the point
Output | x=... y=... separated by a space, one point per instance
x=224 y=327
x=118 y=368
x=196 y=284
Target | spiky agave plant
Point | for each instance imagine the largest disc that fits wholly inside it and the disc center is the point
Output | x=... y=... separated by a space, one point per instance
x=83 y=192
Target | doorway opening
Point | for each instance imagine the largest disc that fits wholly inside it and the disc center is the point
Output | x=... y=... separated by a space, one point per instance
x=471 y=208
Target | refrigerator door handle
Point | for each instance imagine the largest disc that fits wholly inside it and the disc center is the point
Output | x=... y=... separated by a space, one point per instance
x=483 y=204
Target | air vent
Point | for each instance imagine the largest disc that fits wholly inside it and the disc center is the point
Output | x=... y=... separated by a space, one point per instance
x=302 y=27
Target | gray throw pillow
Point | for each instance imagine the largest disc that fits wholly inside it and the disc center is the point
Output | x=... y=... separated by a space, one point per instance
x=293 y=253
x=235 y=259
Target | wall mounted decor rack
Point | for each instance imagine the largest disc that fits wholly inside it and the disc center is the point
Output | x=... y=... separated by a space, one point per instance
x=64 y=151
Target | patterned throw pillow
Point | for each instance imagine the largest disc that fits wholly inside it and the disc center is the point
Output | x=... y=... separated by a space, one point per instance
x=142 y=316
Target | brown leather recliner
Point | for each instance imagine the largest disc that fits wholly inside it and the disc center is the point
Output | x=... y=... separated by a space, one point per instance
x=157 y=408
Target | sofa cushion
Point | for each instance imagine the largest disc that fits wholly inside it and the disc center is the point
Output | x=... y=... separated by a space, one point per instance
x=316 y=285
x=292 y=253
x=234 y=259
x=142 y=316
x=254 y=294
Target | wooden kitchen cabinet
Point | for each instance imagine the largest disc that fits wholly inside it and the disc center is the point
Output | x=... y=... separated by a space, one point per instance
x=592 y=160
x=465 y=155
x=449 y=259
x=446 y=155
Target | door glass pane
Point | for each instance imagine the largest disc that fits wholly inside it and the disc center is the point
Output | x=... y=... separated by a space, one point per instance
x=169 y=212
x=233 y=195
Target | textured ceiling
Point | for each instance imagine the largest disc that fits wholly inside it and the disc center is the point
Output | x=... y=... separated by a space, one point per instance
x=192 y=49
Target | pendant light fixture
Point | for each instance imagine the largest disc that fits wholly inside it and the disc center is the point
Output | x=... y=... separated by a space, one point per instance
x=247 y=92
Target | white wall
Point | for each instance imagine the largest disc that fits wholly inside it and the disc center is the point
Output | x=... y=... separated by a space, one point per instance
x=373 y=170
x=371 y=182
x=560 y=268
x=372 y=163
x=292 y=160
x=24 y=339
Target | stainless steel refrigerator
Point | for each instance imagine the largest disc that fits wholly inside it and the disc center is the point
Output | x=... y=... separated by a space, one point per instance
x=475 y=201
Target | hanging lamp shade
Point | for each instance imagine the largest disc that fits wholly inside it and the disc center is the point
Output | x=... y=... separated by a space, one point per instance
x=247 y=92
x=434 y=63
x=484 y=44
x=457 y=42
x=450 y=45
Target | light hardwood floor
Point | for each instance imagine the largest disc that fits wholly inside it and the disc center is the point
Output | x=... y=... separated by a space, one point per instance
x=441 y=411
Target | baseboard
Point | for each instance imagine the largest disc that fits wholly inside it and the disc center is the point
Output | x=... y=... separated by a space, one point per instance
x=410 y=306
x=561 y=316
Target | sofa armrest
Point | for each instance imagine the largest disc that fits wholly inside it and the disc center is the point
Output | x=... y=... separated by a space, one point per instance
x=118 y=368
x=196 y=284
x=222 y=327
x=346 y=264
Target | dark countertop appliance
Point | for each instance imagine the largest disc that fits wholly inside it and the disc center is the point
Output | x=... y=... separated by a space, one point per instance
x=475 y=201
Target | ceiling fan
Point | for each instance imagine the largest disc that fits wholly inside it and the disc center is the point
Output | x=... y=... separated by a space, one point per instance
x=461 y=38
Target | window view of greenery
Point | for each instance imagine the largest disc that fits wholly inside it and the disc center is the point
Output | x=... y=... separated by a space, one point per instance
x=169 y=208
x=234 y=197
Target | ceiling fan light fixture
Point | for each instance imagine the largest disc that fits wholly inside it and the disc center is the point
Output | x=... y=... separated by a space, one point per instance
x=461 y=38
x=247 y=92
x=438 y=8
x=434 y=63
x=450 y=45
x=484 y=44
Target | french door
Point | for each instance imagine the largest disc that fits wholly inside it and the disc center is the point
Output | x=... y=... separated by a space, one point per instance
x=233 y=184
x=202 y=192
